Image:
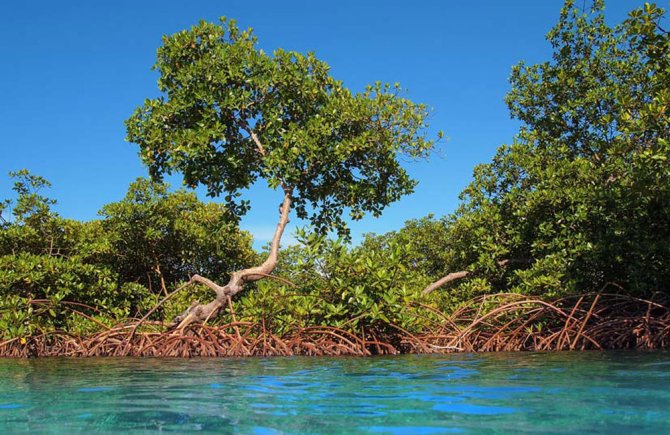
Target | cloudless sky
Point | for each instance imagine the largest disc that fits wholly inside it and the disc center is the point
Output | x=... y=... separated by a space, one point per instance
x=72 y=71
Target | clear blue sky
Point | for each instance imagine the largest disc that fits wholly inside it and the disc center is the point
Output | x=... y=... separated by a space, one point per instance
x=72 y=71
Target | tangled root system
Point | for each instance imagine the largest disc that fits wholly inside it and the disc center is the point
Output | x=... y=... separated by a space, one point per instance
x=501 y=322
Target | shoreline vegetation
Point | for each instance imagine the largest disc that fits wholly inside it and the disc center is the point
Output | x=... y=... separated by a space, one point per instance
x=491 y=323
x=560 y=242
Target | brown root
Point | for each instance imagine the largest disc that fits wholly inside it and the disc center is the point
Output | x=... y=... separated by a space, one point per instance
x=501 y=322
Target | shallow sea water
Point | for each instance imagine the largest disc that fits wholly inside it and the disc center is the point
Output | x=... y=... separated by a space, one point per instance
x=611 y=392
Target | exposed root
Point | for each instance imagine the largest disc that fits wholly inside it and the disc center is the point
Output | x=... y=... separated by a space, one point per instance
x=593 y=321
x=502 y=322
x=200 y=341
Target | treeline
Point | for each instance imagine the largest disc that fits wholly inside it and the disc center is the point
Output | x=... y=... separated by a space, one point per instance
x=52 y=268
x=577 y=203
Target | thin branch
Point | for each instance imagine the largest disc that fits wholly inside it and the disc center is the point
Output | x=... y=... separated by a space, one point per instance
x=254 y=137
x=444 y=280
x=278 y=278
x=164 y=300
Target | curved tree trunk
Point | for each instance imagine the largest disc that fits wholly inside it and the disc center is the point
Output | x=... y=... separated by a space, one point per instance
x=202 y=312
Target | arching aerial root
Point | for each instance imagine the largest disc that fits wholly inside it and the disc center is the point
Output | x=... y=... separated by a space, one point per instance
x=509 y=322
x=501 y=322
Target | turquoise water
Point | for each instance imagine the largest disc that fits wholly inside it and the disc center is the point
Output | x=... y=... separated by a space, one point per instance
x=491 y=393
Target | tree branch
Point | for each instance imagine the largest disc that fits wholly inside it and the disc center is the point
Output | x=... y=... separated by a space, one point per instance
x=444 y=280
x=198 y=312
x=209 y=283
x=254 y=137
x=464 y=273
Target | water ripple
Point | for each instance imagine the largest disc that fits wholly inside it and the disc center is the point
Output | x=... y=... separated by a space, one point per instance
x=507 y=393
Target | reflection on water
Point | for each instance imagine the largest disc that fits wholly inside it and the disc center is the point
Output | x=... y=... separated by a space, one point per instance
x=502 y=393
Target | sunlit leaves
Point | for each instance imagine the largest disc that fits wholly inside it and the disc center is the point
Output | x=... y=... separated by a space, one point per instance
x=335 y=150
x=161 y=238
x=584 y=189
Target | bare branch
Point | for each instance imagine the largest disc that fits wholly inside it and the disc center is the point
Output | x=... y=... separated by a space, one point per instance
x=464 y=273
x=209 y=283
x=444 y=280
x=275 y=277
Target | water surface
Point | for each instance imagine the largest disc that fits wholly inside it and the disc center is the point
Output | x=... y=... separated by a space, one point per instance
x=492 y=393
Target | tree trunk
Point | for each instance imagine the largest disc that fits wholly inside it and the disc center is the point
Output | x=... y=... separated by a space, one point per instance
x=201 y=312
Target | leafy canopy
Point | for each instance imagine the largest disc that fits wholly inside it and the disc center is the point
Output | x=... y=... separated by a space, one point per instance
x=331 y=149
x=160 y=237
x=584 y=190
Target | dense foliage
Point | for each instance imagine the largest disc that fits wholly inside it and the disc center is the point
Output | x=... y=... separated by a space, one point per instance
x=231 y=114
x=583 y=192
x=160 y=238
x=60 y=273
